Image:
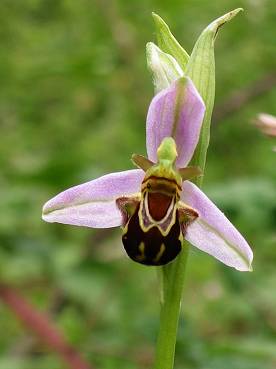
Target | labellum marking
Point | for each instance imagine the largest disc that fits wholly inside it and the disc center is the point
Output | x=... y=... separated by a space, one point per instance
x=160 y=253
x=141 y=248
x=151 y=247
x=155 y=220
x=158 y=205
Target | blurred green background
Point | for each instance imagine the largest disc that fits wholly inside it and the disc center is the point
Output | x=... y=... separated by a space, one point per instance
x=73 y=100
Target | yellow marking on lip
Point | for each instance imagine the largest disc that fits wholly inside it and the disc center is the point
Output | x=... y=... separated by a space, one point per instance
x=160 y=253
x=171 y=182
x=141 y=248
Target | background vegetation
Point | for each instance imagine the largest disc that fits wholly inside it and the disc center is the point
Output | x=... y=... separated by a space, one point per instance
x=73 y=100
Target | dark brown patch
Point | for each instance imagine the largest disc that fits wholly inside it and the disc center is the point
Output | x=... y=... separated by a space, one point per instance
x=151 y=252
x=158 y=205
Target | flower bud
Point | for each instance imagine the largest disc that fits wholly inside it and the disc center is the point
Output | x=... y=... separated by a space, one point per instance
x=164 y=67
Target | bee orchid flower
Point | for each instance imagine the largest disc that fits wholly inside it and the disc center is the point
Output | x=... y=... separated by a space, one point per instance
x=156 y=205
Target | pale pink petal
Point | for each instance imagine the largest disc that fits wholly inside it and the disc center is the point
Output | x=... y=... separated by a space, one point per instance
x=214 y=233
x=178 y=112
x=92 y=204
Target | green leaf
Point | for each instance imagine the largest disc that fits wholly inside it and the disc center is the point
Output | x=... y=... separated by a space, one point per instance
x=201 y=69
x=167 y=42
x=163 y=66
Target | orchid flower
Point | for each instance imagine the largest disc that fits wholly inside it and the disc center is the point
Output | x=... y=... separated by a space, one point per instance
x=266 y=123
x=156 y=205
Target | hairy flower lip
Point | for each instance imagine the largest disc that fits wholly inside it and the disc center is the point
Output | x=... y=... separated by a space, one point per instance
x=93 y=204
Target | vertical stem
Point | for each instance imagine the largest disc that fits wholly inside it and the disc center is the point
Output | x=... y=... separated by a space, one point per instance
x=173 y=281
x=200 y=67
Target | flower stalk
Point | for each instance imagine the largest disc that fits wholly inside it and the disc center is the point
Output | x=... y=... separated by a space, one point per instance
x=200 y=67
x=173 y=276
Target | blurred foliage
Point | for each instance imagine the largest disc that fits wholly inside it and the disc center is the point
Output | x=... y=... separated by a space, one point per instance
x=73 y=101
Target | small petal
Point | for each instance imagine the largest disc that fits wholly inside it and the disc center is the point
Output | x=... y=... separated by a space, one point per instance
x=92 y=204
x=141 y=162
x=177 y=112
x=213 y=233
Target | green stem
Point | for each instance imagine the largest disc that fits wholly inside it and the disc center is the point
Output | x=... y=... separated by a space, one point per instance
x=200 y=67
x=173 y=280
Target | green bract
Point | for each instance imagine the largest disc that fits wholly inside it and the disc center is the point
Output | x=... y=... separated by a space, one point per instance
x=163 y=66
x=167 y=42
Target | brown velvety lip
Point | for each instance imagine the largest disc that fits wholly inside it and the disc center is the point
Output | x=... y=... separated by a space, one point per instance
x=158 y=204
